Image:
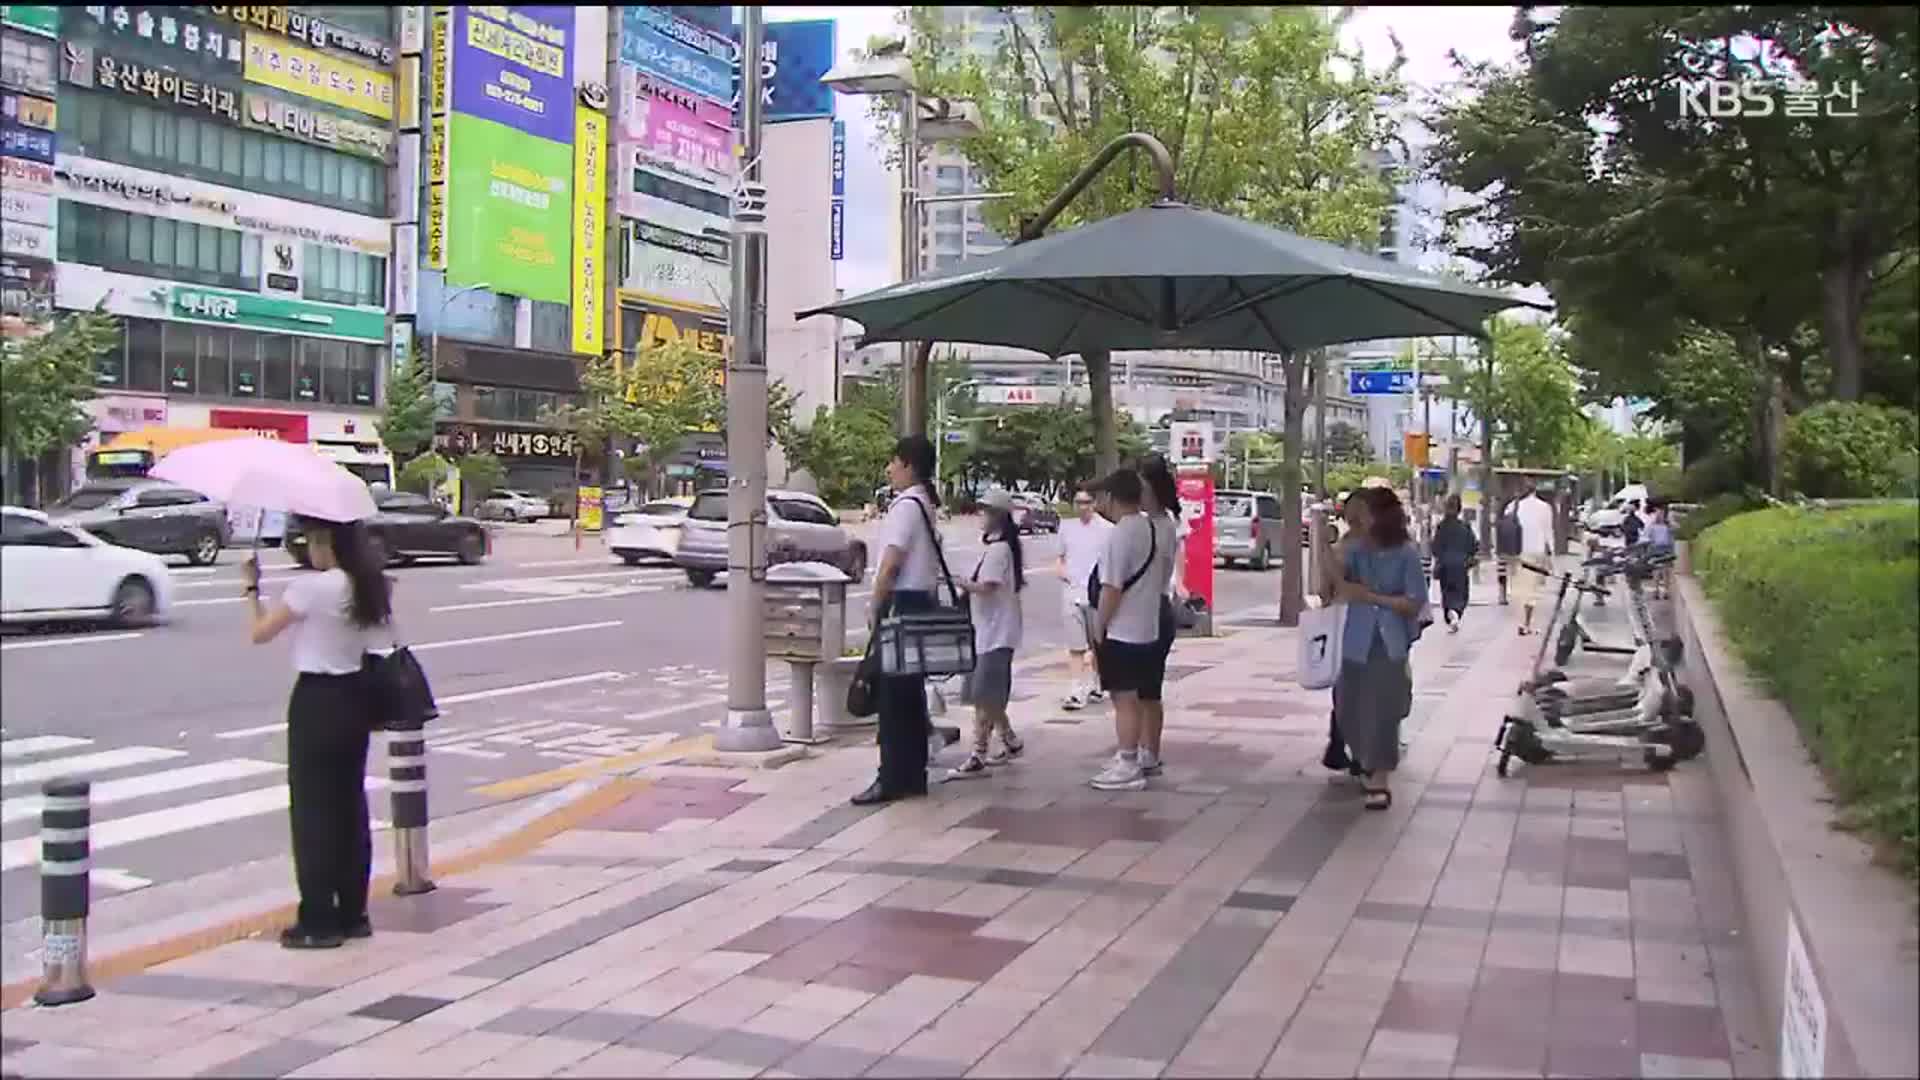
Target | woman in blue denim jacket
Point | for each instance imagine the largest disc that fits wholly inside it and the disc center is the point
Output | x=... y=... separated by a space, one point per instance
x=1385 y=592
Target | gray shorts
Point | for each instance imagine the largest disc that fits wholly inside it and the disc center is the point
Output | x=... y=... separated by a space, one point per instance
x=991 y=681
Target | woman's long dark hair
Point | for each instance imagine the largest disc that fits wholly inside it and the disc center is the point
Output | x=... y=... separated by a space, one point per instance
x=916 y=452
x=1000 y=527
x=1387 y=524
x=372 y=600
x=1159 y=477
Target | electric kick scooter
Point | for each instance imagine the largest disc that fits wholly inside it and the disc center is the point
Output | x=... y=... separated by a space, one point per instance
x=1658 y=725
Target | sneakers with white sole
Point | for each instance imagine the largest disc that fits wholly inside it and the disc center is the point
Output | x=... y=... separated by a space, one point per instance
x=1010 y=747
x=1095 y=697
x=1073 y=702
x=973 y=768
x=1123 y=775
x=1150 y=763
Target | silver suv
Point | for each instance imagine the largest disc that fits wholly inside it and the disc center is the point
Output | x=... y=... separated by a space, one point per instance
x=800 y=528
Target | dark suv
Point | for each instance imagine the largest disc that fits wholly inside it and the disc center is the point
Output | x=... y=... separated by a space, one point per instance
x=150 y=515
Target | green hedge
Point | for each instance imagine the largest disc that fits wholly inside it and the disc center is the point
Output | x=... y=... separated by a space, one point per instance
x=1825 y=606
x=1713 y=512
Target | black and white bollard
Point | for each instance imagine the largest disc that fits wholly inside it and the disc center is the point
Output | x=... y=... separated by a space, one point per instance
x=65 y=894
x=407 y=773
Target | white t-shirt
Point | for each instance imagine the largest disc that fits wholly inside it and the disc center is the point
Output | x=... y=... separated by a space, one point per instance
x=1137 y=620
x=906 y=529
x=996 y=615
x=325 y=640
x=1081 y=543
x=1181 y=530
x=1536 y=528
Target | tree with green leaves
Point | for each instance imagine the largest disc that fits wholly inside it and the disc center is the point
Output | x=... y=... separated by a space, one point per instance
x=407 y=415
x=423 y=472
x=46 y=381
x=846 y=448
x=1347 y=443
x=480 y=475
x=1533 y=400
x=1264 y=114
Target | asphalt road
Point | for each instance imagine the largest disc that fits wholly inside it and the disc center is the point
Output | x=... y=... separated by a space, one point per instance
x=546 y=662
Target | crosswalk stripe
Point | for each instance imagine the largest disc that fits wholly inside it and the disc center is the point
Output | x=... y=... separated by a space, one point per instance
x=135 y=787
x=85 y=763
x=118 y=880
x=13 y=749
x=119 y=832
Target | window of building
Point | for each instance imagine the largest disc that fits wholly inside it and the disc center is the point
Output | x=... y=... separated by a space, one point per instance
x=374 y=22
x=144 y=362
x=244 y=377
x=27 y=62
x=158 y=247
x=949 y=180
x=336 y=386
x=214 y=352
x=552 y=326
x=114 y=128
x=945 y=259
x=337 y=276
x=947 y=215
x=307 y=362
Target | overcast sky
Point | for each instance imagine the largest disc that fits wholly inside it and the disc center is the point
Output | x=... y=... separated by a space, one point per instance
x=1426 y=33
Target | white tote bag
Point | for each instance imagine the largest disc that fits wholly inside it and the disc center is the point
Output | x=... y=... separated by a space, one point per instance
x=1321 y=629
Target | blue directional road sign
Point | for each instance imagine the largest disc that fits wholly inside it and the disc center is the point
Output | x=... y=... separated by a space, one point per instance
x=1379 y=382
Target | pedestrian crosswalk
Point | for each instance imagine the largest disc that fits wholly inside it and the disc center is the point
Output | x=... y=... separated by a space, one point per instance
x=140 y=794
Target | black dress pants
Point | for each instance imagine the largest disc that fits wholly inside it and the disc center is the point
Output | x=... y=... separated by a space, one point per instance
x=327 y=737
x=903 y=724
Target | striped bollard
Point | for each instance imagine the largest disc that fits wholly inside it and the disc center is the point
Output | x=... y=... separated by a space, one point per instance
x=65 y=893
x=407 y=771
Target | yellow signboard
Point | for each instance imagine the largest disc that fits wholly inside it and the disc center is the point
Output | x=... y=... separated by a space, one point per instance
x=409 y=103
x=436 y=226
x=274 y=62
x=589 y=231
x=439 y=89
x=590 y=501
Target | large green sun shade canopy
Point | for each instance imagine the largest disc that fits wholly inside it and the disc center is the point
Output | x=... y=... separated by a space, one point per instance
x=1171 y=276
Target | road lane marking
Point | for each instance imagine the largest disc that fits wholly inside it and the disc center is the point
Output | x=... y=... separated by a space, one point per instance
x=81 y=639
x=696 y=703
x=527 y=785
x=14 y=749
x=630 y=572
x=543 y=632
x=584 y=561
x=165 y=822
x=159 y=783
x=250 y=732
x=118 y=880
x=85 y=763
x=528 y=688
x=209 y=600
x=608 y=595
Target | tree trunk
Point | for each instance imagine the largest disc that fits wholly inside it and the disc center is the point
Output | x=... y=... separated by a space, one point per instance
x=1843 y=306
x=1292 y=573
x=1768 y=419
x=1106 y=441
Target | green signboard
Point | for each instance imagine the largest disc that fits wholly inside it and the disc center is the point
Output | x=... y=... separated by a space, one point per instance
x=510 y=210
x=269 y=313
x=33 y=18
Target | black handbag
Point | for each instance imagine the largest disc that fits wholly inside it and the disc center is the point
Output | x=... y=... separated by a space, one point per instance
x=401 y=698
x=863 y=692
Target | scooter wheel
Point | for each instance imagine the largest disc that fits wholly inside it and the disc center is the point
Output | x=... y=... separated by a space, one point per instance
x=1659 y=762
x=1683 y=701
x=1688 y=741
x=1501 y=768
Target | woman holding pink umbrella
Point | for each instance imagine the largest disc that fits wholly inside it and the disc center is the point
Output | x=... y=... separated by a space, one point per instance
x=334 y=617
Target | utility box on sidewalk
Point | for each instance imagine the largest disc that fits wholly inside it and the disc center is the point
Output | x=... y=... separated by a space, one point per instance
x=806 y=624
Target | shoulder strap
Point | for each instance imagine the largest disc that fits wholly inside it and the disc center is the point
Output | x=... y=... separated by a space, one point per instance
x=938 y=553
x=1153 y=549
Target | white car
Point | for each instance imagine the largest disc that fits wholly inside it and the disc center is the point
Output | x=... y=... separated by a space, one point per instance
x=52 y=572
x=652 y=531
x=513 y=505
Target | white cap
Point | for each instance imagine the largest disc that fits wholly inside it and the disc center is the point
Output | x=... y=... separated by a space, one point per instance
x=997 y=499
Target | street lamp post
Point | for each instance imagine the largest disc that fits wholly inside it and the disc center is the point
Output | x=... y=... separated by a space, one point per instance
x=748 y=726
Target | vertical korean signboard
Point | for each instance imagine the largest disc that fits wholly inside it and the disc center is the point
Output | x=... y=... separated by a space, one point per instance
x=437 y=78
x=838 y=210
x=589 y=228
x=509 y=134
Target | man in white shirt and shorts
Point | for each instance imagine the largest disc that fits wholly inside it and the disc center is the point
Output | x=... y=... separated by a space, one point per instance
x=1082 y=539
x=1537 y=543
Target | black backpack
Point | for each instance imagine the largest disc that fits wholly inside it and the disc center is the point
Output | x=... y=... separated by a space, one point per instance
x=1507 y=534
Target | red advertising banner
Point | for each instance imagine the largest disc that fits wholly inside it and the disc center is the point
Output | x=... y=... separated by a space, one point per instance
x=287 y=427
x=1195 y=483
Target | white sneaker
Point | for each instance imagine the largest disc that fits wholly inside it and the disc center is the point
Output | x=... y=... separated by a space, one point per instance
x=1123 y=775
x=973 y=768
x=1095 y=697
x=1149 y=762
x=1073 y=702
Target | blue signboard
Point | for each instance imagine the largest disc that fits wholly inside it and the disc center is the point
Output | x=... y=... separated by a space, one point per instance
x=17 y=140
x=796 y=55
x=1379 y=382
x=839 y=159
x=838 y=221
x=677 y=51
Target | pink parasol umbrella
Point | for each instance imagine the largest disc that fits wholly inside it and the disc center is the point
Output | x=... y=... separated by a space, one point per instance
x=269 y=475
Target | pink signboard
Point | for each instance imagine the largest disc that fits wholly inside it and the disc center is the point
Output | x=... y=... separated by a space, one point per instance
x=673 y=135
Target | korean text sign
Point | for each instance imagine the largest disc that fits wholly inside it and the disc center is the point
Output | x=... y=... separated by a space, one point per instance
x=688 y=56
x=513 y=66
x=590 y=239
x=510 y=203
x=274 y=62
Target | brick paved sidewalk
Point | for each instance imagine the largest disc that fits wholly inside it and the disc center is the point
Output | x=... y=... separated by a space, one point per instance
x=1244 y=917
